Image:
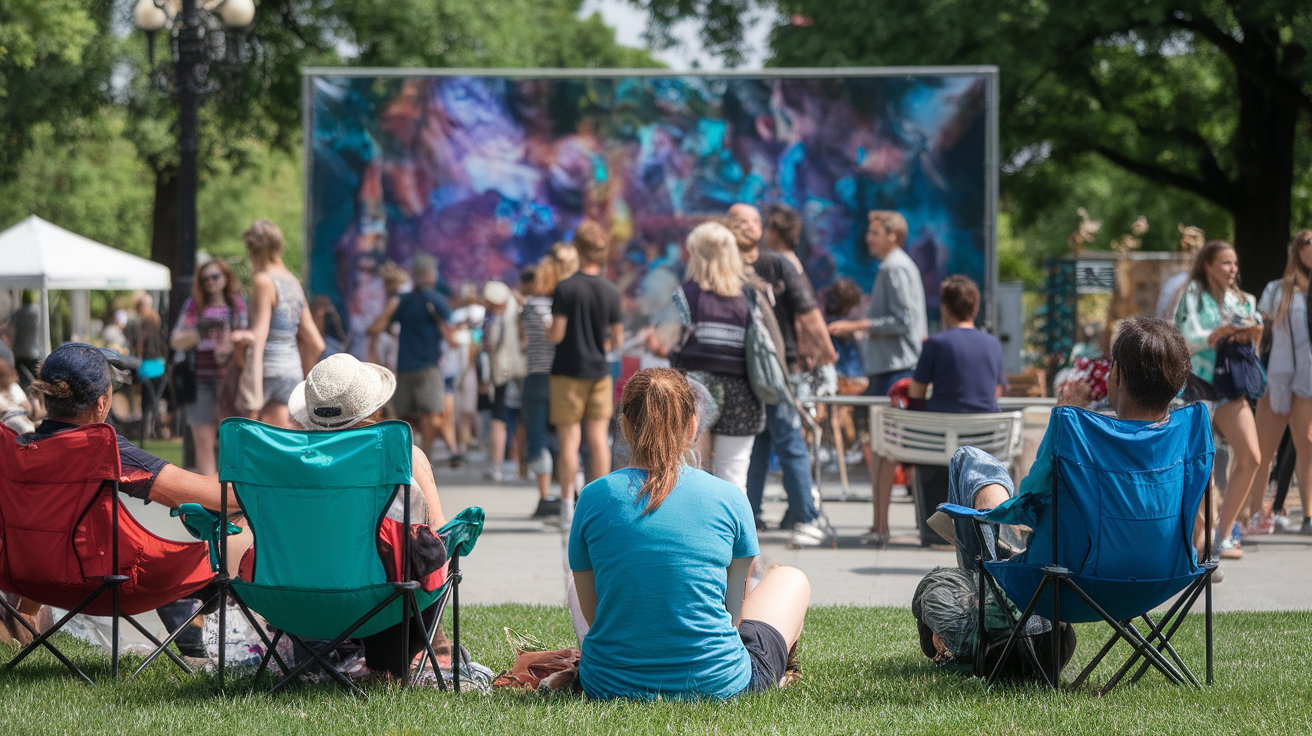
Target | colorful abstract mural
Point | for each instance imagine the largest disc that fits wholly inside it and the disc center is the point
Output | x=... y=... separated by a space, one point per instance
x=487 y=172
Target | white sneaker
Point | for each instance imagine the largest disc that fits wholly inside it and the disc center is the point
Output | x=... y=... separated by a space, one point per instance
x=810 y=534
x=495 y=475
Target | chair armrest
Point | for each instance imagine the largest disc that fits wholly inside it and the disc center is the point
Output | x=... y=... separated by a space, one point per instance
x=462 y=531
x=961 y=512
x=203 y=524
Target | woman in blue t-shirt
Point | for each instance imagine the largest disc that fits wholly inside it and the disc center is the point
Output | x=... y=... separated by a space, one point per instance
x=661 y=554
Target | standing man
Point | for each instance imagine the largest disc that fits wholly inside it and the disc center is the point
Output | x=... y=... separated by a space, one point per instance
x=895 y=328
x=585 y=322
x=424 y=316
x=793 y=297
x=27 y=326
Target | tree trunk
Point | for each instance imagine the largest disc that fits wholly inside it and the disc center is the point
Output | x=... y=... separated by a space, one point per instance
x=164 y=226
x=1263 y=208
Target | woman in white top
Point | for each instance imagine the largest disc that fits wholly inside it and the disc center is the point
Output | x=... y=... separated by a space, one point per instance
x=1288 y=399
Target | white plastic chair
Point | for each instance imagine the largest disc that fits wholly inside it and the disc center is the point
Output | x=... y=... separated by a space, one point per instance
x=931 y=438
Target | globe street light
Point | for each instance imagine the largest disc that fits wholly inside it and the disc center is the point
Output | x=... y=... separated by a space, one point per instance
x=192 y=26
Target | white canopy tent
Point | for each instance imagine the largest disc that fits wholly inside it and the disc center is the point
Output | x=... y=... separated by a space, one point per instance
x=35 y=254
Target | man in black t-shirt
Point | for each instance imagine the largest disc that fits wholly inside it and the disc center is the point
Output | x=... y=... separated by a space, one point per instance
x=585 y=322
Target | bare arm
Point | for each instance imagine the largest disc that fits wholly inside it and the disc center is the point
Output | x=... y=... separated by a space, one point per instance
x=309 y=341
x=738 y=570
x=262 y=310
x=585 y=584
x=423 y=473
x=379 y=325
x=918 y=390
x=175 y=486
x=556 y=332
x=616 y=337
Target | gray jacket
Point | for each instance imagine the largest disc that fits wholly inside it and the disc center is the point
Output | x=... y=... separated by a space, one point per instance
x=897 y=316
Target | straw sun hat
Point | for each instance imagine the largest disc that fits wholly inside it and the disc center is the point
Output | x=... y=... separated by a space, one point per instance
x=340 y=392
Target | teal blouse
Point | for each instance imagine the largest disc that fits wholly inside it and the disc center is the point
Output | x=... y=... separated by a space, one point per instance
x=1198 y=315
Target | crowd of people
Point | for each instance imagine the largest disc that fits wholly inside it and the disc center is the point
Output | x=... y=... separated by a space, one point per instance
x=744 y=336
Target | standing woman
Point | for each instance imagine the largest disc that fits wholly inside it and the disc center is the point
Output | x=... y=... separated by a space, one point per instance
x=146 y=339
x=714 y=309
x=286 y=343
x=558 y=265
x=210 y=316
x=1211 y=309
x=1288 y=399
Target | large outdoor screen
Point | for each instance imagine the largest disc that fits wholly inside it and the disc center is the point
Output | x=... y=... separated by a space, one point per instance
x=487 y=171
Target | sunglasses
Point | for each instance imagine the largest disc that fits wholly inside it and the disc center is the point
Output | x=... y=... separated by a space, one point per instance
x=212 y=276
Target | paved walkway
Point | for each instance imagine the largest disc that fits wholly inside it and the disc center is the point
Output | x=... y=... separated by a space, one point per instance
x=519 y=559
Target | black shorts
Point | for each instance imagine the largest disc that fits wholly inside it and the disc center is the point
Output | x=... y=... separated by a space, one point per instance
x=769 y=653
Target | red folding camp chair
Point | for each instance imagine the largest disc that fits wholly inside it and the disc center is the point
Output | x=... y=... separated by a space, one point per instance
x=66 y=541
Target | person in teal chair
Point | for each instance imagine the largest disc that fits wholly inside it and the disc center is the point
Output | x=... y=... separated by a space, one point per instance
x=342 y=393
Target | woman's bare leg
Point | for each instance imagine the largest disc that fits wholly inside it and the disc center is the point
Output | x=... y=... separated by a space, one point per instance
x=1235 y=420
x=1270 y=429
x=203 y=437
x=276 y=413
x=1300 y=425
x=781 y=600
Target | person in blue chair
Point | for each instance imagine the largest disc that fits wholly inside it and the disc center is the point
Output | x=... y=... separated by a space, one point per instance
x=1150 y=362
x=661 y=554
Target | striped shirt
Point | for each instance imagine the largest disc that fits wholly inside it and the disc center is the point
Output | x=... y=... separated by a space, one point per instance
x=540 y=351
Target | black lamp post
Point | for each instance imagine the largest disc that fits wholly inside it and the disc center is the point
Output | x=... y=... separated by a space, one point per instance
x=193 y=28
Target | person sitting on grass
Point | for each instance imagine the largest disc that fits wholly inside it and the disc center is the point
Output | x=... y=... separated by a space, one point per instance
x=661 y=554
x=1150 y=362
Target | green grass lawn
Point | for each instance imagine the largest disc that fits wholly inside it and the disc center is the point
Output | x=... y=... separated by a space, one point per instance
x=863 y=673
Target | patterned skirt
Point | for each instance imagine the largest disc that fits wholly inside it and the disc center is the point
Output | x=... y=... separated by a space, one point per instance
x=739 y=413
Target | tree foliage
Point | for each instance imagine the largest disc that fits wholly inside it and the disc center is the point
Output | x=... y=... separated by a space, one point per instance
x=54 y=61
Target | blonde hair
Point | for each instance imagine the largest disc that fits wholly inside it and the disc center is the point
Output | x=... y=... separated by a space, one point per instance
x=263 y=241
x=713 y=260
x=893 y=222
x=659 y=409
x=1296 y=274
x=557 y=265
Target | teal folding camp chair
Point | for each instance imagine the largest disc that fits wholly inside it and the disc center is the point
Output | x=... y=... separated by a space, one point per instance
x=315 y=502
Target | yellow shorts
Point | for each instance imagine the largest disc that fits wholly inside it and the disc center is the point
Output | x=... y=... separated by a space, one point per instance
x=574 y=400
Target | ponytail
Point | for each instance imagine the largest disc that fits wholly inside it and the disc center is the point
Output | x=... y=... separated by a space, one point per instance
x=658 y=405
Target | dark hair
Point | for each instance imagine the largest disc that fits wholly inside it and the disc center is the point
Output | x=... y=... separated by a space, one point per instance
x=591 y=242
x=659 y=406
x=786 y=223
x=1204 y=258
x=528 y=275
x=959 y=297
x=72 y=378
x=841 y=297
x=1152 y=359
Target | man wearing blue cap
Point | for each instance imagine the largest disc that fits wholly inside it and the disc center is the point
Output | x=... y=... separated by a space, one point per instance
x=77 y=381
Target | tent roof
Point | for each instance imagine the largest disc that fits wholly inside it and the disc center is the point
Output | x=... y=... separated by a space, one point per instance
x=36 y=253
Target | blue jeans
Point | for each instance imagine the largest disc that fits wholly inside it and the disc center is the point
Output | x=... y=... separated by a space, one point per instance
x=880 y=383
x=972 y=469
x=534 y=410
x=783 y=434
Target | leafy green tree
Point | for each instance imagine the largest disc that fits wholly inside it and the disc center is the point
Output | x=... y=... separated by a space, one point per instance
x=1207 y=97
x=54 y=62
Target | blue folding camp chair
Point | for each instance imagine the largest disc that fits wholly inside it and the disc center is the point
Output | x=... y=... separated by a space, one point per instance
x=315 y=502
x=1116 y=528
